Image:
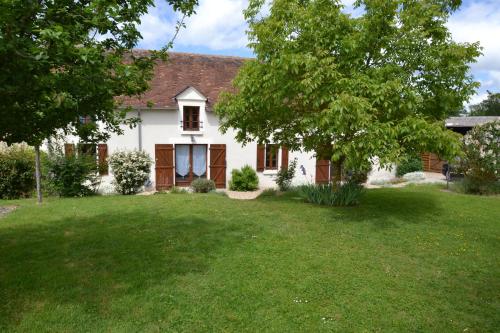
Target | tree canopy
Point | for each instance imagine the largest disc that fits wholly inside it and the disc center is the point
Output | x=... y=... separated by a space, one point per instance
x=490 y=106
x=63 y=60
x=351 y=87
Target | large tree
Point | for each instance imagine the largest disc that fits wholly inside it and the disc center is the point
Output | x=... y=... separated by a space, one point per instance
x=490 y=106
x=350 y=88
x=64 y=60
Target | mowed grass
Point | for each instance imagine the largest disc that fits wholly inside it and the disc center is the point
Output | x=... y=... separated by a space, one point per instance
x=405 y=260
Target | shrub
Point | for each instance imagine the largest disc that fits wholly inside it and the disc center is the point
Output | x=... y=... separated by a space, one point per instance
x=71 y=176
x=131 y=170
x=17 y=171
x=411 y=163
x=347 y=194
x=481 y=162
x=245 y=179
x=285 y=176
x=474 y=186
x=202 y=185
x=358 y=173
x=178 y=190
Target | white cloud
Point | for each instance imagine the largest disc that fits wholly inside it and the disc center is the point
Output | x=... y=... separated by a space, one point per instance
x=156 y=29
x=479 y=21
x=218 y=25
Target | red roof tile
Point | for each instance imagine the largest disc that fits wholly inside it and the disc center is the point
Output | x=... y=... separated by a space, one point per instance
x=209 y=74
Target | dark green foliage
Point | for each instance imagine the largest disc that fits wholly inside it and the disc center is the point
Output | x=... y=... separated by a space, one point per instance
x=474 y=185
x=410 y=164
x=17 y=171
x=202 y=185
x=488 y=107
x=285 y=176
x=347 y=194
x=72 y=176
x=358 y=173
x=349 y=88
x=54 y=68
x=245 y=179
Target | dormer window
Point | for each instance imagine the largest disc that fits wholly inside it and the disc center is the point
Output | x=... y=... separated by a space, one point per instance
x=191 y=118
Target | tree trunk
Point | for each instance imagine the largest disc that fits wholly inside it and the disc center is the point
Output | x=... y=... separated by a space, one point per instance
x=38 y=175
x=336 y=173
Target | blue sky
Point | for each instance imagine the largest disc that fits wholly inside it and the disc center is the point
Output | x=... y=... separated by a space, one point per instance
x=219 y=28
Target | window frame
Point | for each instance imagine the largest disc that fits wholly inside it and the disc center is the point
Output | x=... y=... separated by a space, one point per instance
x=191 y=118
x=269 y=151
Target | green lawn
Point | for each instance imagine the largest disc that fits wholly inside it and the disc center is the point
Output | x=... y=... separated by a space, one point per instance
x=413 y=259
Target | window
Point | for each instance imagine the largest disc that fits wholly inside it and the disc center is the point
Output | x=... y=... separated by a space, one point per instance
x=191 y=118
x=190 y=163
x=272 y=157
x=85 y=120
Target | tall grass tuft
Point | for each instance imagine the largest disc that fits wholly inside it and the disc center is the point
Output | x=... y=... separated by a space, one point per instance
x=347 y=194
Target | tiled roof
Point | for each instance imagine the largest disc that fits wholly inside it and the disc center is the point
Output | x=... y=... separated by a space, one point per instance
x=468 y=121
x=209 y=74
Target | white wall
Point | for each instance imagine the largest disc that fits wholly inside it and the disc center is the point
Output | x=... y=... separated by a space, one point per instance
x=161 y=126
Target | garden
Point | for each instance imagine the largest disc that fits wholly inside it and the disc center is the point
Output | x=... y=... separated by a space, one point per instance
x=409 y=259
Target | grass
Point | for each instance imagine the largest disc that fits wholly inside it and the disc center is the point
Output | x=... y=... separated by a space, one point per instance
x=411 y=259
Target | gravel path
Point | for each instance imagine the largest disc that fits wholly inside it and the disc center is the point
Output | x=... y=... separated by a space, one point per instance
x=4 y=210
x=243 y=195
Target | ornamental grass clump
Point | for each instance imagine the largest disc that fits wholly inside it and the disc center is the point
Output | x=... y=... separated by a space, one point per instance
x=131 y=170
x=347 y=194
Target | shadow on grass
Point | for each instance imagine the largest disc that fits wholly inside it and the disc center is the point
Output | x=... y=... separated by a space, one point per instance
x=386 y=208
x=382 y=207
x=89 y=261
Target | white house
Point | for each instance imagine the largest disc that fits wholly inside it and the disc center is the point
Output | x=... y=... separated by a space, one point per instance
x=181 y=132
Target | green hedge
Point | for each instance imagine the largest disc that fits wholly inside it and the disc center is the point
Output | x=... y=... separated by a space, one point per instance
x=410 y=164
x=17 y=171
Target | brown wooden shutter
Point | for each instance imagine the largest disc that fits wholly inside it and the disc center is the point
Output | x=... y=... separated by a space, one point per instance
x=218 y=165
x=261 y=156
x=322 y=171
x=102 y=151
x=284 y=157
x=69 y=149
x=164 y=166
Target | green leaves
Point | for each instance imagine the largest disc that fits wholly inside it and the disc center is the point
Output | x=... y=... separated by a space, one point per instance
x=351 y=88
x=62 y=60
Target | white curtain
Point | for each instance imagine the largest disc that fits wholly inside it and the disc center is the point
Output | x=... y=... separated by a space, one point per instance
x=182 y=160
x=199 y=160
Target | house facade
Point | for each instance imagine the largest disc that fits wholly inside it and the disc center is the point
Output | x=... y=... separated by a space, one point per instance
x=181 y=131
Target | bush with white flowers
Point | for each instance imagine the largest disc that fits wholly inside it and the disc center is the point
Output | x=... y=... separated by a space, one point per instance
x=481 y=163
x=131 y=170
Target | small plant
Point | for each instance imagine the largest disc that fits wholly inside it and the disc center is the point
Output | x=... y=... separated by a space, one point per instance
x=71 y=176
x=245 y=179
x=411 y=163
x=17 y=171
x=131 y=170
x=347 y=194
x=178 y=190
x=202 y=185
x=285 y=176
x=269 y=192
